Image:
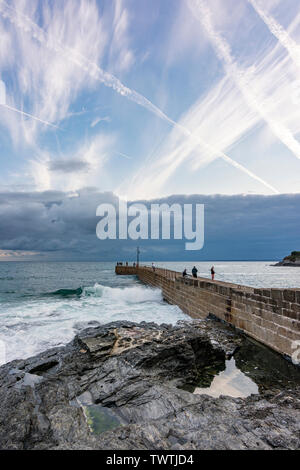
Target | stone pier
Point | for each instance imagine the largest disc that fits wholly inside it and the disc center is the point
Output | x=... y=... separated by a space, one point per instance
x=271 y=316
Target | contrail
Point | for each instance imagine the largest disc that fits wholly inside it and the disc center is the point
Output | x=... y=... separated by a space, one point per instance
x=225 y=157
x=242 y=80
x=124 y=155
x=110 y=80
x=78 y=59
x=279 y=32
x=28 y=115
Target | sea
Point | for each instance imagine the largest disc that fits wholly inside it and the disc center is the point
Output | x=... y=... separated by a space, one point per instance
x=45 y=304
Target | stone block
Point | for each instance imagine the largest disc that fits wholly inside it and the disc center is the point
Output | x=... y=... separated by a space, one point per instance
x=289 y=295
x=276 y=294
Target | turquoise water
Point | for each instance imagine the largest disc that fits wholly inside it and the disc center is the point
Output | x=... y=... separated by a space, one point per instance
x=43 y=305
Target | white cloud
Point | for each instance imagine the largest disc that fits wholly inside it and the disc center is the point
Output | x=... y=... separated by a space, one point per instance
x=184 y=34
x=222 y=117
x=13 y=255
x=243 y=79
x=278 y=31
x=91 y=172
x=6 y=51
x=56 y=63
x=121 y=56
x=219 y=118
x=46 y=81
x=86 y=64
x=100 y=119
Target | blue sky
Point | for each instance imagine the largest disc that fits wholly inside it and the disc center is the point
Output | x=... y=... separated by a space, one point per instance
x=215 y=68
x=150 y=98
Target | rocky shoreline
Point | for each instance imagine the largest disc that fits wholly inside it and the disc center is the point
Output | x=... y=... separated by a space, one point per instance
x=292 y=260
x=123 y=386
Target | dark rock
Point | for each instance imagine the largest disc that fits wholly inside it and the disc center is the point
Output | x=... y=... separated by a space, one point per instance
x=122 y=380
x=292 y=260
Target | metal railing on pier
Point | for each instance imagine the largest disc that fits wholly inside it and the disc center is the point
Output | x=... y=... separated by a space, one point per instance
x=166 y=273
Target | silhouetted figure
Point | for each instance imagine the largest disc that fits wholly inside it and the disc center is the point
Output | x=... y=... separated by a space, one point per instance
x=153 y=266
x=184 y=273
x=194 y=271
x=212 y=271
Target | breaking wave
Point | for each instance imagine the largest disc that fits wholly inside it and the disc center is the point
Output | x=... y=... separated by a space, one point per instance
x=136 y=294
x=67 y=292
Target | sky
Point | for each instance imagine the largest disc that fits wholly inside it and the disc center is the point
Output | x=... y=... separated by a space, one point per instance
x=52 y=226
x=146 y=100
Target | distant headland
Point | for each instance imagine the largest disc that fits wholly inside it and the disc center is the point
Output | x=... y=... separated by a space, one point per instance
x=292 y=260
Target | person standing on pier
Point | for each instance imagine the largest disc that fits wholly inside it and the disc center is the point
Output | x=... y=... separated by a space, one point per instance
x=153 y=266
x=194 y=271
x=212 y=271
x=184 y=273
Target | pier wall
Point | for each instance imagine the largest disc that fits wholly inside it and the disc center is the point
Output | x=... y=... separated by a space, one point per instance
x=271 y=316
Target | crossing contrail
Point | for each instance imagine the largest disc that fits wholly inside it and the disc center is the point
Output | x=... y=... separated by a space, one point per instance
x=279 y=32
x=25 y=23
x=28 y=115
x=242 y=80
x=124 y=155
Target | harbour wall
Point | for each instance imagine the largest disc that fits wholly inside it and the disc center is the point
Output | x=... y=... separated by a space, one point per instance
x=271 y=316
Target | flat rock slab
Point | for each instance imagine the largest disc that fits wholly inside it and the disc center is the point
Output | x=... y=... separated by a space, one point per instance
x=118 y=386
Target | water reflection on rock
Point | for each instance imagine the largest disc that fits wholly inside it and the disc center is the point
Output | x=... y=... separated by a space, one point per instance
x=231 y=382
x=253 y=369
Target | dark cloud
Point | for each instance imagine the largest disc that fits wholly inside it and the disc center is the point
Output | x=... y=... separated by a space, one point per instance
x=68 y=166
x=63 y=226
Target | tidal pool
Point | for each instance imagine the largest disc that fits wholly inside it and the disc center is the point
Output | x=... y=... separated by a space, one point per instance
x=253 y=369
x=231 y=382
x=100 y=419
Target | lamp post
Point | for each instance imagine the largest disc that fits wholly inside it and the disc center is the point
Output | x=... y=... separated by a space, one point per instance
x=137 y=256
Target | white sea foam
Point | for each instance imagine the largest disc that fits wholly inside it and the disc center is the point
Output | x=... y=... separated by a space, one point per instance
x=39 y=323
x=128 y=294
